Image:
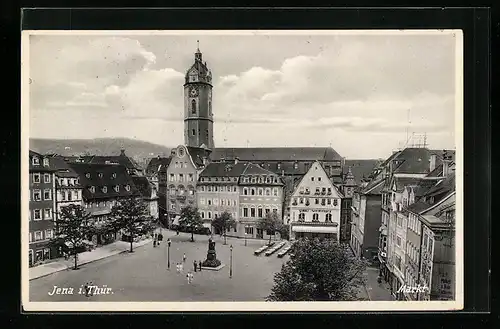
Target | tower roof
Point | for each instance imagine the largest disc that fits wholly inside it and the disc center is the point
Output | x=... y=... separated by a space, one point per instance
x=349 y=179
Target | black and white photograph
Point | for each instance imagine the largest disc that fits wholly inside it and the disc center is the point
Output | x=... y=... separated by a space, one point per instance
x=238 y=170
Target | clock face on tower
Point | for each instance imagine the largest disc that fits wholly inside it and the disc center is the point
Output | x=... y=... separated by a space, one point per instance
x=193 y=92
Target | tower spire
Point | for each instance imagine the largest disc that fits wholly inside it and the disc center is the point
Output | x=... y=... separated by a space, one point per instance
x=198 y=45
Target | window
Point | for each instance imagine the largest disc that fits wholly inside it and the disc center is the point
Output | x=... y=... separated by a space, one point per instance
x=181 y=177
x=268 y=211
x=279 y=166
x=216 y=201
x=252 y=191
x=193 y=132
x=431 y=242
x=202 y=215
x=319 y=179
x=191 y=177
x=312 y=179
x=315 y=217
x=105 y=189
x=46 y=178
x=328 y=218
x=47 y=194
x=87 y=175
x=335 y=202
x=323 y=202
x=48 y=234
x=209 y=202
x=248 y=230
x=398 y=262
x=37 y=214
x=245 y=191
x=36 y=178
x=100 y=175
x=316 y=201
x=117 y=188
x=260 y=212
x=302 y=217
x=193 y=106
x=45 y=162
x=399 y=221
x=127 y=187
x=328 y=201
x=268 y=192
x=252 y=212
x=172 y=177
x=295 y=166
x=37 y=195
x=92 y=189
x=38 y=235
x=398 y=241
x=275 y=191
x=245 y=212
x=261 y=191
x=234 y=189
x=69 y=196
x=36 y=161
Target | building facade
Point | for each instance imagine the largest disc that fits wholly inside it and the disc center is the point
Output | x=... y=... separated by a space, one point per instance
x=149 y=195
x=245 y=190
x=186 y=164
x=157 y=173
x=68 y=188
x=315 y=206
x=347 y=188
x=42 y=208
x=366 y=217
x=103 y=185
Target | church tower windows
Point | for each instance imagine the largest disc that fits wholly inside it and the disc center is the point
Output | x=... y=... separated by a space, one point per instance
x=198 y=115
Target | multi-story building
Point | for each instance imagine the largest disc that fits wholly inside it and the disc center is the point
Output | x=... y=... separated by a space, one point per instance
x=245 y=190
x=348 y=189
x=366 y=217
x=103 y=185
x=431 y=244
x=149 y=194
x=122 y=159
x=68 y=188
x=261 y=192
x=315 y=206
x=42 y=208
x=182 y=173
x=156 y=172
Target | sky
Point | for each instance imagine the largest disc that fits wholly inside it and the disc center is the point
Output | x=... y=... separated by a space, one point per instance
x=360 y=94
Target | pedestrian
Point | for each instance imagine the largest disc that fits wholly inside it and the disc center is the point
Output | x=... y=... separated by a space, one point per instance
x=199 y=265
x=91 y=291
x=184 y=258
x=181 y=267
x=178 y=268
x=189 y=277
x=154 y=243
x=195 y=265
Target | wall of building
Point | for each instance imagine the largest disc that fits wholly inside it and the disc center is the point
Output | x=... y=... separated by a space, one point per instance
x=214 y=198
x=373 y=215
x=42 y=212
x=182 y=178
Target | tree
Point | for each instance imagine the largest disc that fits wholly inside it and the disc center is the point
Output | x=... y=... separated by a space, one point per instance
x=190 y=218
x=131 y=215
x=73 y=226
x=224 y=222
x=284 y=231
x=318 y=270
x=270 y=223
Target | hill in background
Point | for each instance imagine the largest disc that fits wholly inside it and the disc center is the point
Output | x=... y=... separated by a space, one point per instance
x=140 y=151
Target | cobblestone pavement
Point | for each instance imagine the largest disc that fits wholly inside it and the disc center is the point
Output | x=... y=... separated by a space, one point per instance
x=143 y=274
x=376 y=291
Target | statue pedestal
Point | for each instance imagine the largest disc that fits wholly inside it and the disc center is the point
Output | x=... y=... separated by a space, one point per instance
x=211 y=262
x=218 y=268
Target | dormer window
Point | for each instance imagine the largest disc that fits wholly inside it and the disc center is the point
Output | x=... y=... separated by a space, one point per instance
x=113 y=175
x=105 y=189
x=295 y=166
x=45 y=162
x=87 y=175
x=100 y=175
x=36 y=161
x=92 y=189
x=279 y=165
x=127 y=187
x=117 y=188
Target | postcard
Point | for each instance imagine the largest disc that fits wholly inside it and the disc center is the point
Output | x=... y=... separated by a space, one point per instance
x=311 y=170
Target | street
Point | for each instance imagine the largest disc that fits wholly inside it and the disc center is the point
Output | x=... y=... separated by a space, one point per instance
x=143 y=274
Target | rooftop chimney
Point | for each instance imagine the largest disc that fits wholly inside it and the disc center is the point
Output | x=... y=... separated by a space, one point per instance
x=222 y=159
x=432 y=162
x=236 y=159
x=158 y=157
x=446 y=163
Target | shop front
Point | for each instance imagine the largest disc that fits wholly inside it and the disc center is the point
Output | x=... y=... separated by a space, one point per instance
x=314 y=231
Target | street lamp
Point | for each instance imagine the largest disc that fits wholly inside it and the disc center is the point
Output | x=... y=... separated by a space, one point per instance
x=246 y=229
x=168 y=252
x=230 y=261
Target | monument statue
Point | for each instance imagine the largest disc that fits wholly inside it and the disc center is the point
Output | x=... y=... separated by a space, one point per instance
x=211 y=260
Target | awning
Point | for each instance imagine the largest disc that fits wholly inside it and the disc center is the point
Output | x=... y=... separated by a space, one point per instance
x=315 y=229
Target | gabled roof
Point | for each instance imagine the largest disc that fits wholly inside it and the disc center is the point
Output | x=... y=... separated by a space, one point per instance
x=223 y=169
x=413 y=161
x=258 y=154
x=439 y=190
x=402 y=182
x=121 y=159
x=155 y=163
x=361 y=168
x=374 y=187
x=197 y=154
x=122 y=179
x=63 y=168
x=40 y=167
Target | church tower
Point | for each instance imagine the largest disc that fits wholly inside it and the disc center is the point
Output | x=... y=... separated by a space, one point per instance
x=198 y=116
